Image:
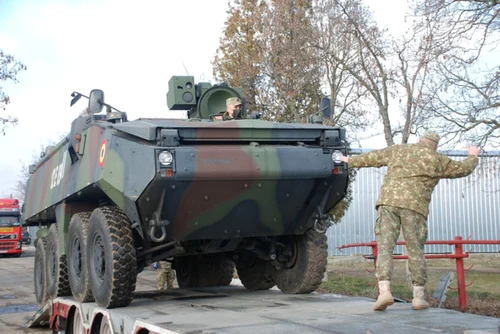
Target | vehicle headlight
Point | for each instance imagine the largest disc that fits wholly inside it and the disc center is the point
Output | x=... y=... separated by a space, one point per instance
x=336 y=156
x=165 y=158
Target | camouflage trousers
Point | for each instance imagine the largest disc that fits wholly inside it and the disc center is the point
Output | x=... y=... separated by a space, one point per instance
x=164 y=275
x=390 y=221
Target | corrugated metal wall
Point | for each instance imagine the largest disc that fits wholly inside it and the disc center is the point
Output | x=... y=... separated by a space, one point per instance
x=466 y=207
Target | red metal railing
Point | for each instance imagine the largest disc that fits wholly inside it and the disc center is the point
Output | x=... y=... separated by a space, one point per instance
x=459 y=256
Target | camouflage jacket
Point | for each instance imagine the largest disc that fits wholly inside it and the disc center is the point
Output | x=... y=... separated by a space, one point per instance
x=413 y=170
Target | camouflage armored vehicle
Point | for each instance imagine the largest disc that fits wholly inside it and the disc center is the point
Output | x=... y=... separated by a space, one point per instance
x=207 y=195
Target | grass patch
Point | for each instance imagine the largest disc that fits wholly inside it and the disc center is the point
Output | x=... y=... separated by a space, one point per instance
x=353 y=278
x=349 y=286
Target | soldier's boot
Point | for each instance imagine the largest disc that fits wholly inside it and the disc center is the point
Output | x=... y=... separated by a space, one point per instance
x=385 y=297
x=418 y=302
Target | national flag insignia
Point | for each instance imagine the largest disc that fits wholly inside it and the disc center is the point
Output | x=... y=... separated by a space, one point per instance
x=102 y=153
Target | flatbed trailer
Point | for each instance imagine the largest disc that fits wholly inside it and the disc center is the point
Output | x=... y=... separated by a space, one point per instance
x=234 y=309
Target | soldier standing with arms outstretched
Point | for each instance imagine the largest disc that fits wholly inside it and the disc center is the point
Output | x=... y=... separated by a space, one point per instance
x=413 y=172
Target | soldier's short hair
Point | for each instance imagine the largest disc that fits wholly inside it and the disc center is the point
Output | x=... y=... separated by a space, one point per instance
x=431 y=136
x=233 y=101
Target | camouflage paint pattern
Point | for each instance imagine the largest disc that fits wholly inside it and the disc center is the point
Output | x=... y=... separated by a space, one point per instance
x=165 y=275
x=413 y=172
x=390 y=221
x=229 y=179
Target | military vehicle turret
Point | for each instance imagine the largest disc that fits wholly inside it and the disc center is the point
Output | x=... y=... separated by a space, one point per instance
x=116 y=195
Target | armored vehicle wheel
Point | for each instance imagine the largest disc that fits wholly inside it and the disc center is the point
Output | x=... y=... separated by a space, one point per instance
x=226 y=273
x=56 y=268
x=215 y=270
x=76 y=255
x=306 y=266
x=255 y=273
x=203 y=270
x=186 y=271
x=111 y=254
x=40 y=276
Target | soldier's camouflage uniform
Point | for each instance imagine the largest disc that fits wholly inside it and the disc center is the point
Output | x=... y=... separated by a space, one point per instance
x=165 y=275
x=413 y=172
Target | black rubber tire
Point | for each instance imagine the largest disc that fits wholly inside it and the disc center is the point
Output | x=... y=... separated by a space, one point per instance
x=75 y=323
x=215 y=270
x=55 y=265
x=196 y=271
x=39 y=272
x=256 y=274
x=76 y=256
x=112 y=260
x=186 y=271
x=226 y=273
x=307 y=271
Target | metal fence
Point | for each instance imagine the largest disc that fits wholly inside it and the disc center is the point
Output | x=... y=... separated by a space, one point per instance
x=466 y=207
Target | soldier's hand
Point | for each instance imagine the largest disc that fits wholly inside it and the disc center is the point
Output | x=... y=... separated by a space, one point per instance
x=344 y=158
x=472 y=150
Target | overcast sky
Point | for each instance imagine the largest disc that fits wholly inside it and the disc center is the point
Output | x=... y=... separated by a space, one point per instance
x=129 y=49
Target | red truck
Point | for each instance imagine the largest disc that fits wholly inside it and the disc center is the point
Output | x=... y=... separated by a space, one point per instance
x=10 y=227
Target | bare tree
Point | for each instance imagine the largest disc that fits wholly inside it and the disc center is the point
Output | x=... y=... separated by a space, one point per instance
x=23 y=176
x=463 y=99
x=36 y=157
x=9 y=67
x=365 y=58
x=336 y=46
x=414 y=56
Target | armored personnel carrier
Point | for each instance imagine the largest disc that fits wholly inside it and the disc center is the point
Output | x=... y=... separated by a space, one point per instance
x=208 y=195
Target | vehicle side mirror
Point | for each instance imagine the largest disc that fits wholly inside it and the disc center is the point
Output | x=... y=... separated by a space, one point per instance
x=325 y=108
x=96 y=101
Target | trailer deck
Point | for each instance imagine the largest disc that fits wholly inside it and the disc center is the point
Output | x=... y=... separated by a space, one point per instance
x=231 y=309
x=234 y=309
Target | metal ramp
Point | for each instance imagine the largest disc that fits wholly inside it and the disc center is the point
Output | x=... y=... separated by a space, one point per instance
x=41 y=317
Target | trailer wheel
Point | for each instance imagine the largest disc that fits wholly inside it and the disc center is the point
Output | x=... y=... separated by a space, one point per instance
x=75 y=323
x=55 y=265
x=255 y=273
x=40 y=277
x=111 y=254
x=100 y=325
x=78 y=274
x=304 y=269
x=104 y=328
